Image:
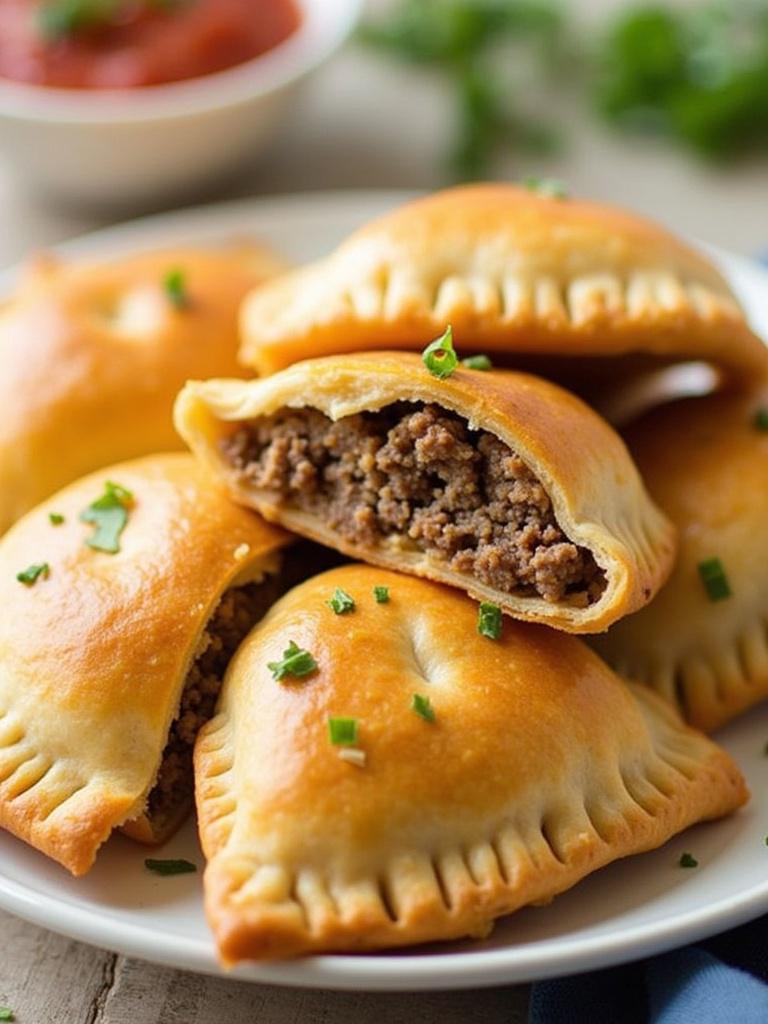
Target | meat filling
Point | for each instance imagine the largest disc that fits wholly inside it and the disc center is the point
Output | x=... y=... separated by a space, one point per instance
x=419 y=472
x=235 y=616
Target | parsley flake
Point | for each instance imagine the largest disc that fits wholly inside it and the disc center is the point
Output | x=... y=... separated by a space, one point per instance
x=341 y=602
x=381 y=594
x=175 y=285
x=714 y=579
x=55 y=518
x=296 y=662
x=343 y=731
x=109 y=514
x=489 y=620
x=760 y=420
x=32 y=574
x=423 y=707
x=440 y=357
x=687 y=860
x=549 y=187
x=478 y=362
x=6 y=1013
x=170 y=867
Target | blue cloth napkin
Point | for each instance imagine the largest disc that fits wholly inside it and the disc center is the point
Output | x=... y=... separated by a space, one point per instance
x=721 y=981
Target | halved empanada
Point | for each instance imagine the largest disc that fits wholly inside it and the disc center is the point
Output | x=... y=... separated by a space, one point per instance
x=497 y=482
x=517 y=274
x=703 y=642
x=475 y=776
x=110 y=662
x=91 y=358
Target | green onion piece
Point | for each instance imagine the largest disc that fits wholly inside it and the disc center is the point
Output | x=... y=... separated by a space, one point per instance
x=109 y=514
x=381 y=594
x=550 y=187
x=343 y=731
x=296 y=662
x=55 y=518
x=766 y=840
x=687 y=860
x=477 y=363
x=32 y=574
x=714 y=579
x=423 y=707
x=175 y=285
x=6 y=1013
x=440 y=357
x=760 y=420
x=170 y=867
x=489 y=620
x=341 y=602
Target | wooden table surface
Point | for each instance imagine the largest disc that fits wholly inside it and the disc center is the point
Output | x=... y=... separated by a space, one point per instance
x=47 y=979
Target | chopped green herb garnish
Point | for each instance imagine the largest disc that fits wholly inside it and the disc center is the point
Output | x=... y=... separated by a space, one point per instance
x=341 y=602
x=60 y=18
x=170 y=867
x=55 y=518
x=765 y=750
x=477 y=363
x=296 y=662
x=109 y=514
x=32 y=574
x=687 y=860
x=381 y=594
x=489 y=620
x=766 y=840
x=714 y=579
x=550 y=187
x=760 y=420
x=343 y=731
x=440 y=356
x=423 y=707
x=175 y=285
x=6 y=1013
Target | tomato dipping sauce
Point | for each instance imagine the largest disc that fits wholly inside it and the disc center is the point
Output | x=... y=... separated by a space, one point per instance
x=125 y=44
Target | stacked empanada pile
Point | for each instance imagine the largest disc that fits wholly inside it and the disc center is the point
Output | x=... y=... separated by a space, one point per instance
x=404 y=748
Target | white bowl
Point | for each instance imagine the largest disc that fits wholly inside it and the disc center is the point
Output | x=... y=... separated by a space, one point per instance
x=149 y=144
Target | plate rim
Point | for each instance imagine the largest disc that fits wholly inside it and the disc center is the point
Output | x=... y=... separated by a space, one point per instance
x=371 y=972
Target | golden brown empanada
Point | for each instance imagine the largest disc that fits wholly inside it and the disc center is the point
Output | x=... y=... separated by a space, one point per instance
x=517 y=274
x=475 y=776
x=91 y=358
x=705 y=461
x=109 y=662
x=497 y=482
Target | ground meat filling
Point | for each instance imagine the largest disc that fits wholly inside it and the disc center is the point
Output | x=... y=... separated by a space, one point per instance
x=235 y=616
x=418 y=471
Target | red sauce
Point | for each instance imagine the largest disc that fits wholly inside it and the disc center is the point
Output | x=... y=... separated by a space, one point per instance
x=145 y=44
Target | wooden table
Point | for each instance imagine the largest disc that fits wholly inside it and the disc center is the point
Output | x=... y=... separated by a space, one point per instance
x=47 y=979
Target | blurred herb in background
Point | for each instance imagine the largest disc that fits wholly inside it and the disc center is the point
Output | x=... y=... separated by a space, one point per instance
x=469 y=42
x=696 y=74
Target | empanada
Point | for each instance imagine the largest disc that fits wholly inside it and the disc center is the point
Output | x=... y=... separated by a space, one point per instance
x=468 y=777
x=703 y=642
x=517 y=274
x=109 y=662
x=91 y=358
x=497 y=482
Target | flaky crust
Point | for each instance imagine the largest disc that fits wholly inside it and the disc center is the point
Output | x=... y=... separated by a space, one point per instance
x=540 y=767
x=706 y=464
x=515 y=273
x=93 y=658
x=597 y=495
x=91 y=358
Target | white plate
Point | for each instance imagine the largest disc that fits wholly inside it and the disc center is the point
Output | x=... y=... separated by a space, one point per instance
x=643 y=905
